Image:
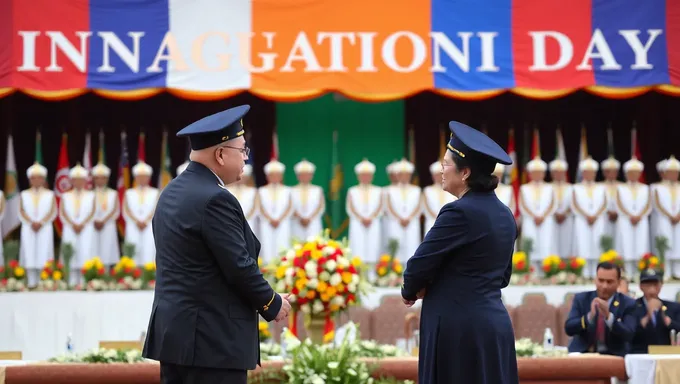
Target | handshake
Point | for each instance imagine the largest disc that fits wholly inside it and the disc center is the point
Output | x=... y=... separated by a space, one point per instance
x=285 y=307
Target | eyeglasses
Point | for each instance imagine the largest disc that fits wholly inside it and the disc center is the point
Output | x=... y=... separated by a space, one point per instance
x=245 y=150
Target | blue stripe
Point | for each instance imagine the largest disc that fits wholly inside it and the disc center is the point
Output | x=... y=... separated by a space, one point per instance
x=122 y=17
x=611 y=17
x=455 y=16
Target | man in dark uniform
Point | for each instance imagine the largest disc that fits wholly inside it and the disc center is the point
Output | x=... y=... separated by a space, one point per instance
x=209 y=289
x=602 y=320
x=656 y=318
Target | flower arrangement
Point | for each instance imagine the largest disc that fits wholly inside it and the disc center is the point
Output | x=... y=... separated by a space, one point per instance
x=388 y=270
x=125 y=275
x=102 y=356
x=575 y=267
x=321 y=275
x=94 y=276
x=149 y=275
x=650 y=261
x=12 y=277
x=52 y=277
x=265 y=334
x=613 y=257
x=524 y=347
x=521 y=269
x=555 y=269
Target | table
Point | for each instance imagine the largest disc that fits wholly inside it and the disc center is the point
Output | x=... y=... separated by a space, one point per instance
x=652 y=369
x=38 y=323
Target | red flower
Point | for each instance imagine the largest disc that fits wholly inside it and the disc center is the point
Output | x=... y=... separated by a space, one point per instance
x=2 y=269
x=128 y=269
x=60 y=266
x=3 y=281
x=120 y=281
x=302 y=300
x=339 y=270
x=351 y=298
x=563 y=264
x=83 y=270
x=574 y=263
x=137 y=273
x=100 y=271
x=295 y=291
x=546 y=268
x=319 y=268
x=333 y=257
x=13 y=264
x=299 y=263
x=321 y=261
x=307 y=253
x=352 y=269
x=521 y=265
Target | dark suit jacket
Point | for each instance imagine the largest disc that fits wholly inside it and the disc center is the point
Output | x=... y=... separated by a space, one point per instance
x=658 y=334
x=209 y=288
x=617 y=338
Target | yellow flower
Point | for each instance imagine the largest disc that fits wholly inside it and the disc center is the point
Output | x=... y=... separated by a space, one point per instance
x=581 y=261
x=57 y=276
x=641 y=265
x=311 y=294
x=150 y=266
x=356 y=261
x=382 y=271
x=301 y=273
x=301 y=283
x=316 y=254
x=398 y=268
x=518 y=256
x=259 y=262
x=654 y=260
x=385 y=258
x=334 y=244
x=43 y=275
x=340 y=288
x=262 y=326
x=346 y=277
x=322 y=286
x=325 y=297
x=334 y=307
x=280 y=272
x=19 y=272
x=331 y=291
x=88 y=264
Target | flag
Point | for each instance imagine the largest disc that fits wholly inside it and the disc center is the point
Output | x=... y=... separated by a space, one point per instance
x=560 y=153
x=141 y=148
x=415 y=180
x=513 y=179
x=336 y=207
x=582 y=151
x=610 y=141
x=635 y=148
x=62 y=182
x=525 y=154
x=123 y=179
x=38 y=147
x=101 y=155
x=87 y=159
x=10 y=220
x=275 y=146
x=164 y=176
x=536 y=145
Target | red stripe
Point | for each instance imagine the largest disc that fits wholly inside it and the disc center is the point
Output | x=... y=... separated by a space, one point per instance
x=41 y=16
x=6 y=32
x=673 y=40
x=571 y=18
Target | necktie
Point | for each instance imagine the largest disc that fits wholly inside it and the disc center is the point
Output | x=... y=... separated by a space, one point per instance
x=599 y=333
x=654 y=318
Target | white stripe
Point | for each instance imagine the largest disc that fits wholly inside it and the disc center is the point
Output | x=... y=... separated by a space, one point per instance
x=200 y=28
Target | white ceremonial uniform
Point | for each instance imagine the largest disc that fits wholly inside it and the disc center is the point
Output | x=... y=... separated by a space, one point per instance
x=309 y=203
x=611 y=164
x=384 y=227
x=276 y=205
x=654 y=216
x=247 y=196
x=139 y=205
x=403 y=202
x=666 y=208
x=37 y=205
x=365 y=202
x=564 y=231
x=434 y=198
x=589 y=199
x=632 y=241
x=77 y=208
x=107 y=211
x=537 y=199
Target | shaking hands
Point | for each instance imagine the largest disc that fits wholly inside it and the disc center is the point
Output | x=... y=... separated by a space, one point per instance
x=285 y=307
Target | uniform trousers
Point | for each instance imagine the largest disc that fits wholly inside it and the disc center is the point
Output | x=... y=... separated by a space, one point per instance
x=181 y=374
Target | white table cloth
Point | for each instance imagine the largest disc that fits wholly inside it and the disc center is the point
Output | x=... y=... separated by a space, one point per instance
x=641 y=369
x=38 y=323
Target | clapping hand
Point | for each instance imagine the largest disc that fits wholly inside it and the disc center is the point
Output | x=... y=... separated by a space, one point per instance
x=285 y=307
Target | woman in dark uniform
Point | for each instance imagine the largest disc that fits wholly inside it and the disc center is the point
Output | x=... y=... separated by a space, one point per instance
x=466 y=336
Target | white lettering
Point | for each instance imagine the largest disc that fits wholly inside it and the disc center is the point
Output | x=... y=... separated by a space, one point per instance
x=130 y=57
x=267 y=58
x=28 y=59
x=366 y=44
x=640 y=50
x=389 y=53
x=461 y=57
x=540 y=59
x=336 y=38
x=488 y=55
x=302 y=51
x=174 y=57
x=597 y=41
x=77 y=57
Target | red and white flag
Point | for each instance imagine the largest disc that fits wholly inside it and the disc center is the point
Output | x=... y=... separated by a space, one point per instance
x=62 y=183
x=275 y=146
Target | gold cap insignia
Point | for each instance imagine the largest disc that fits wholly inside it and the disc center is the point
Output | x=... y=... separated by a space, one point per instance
x=616 y=303
x=664 y=308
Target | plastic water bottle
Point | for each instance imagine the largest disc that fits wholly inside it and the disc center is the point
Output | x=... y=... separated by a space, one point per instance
x=283 y=341
x=69 y=343
x=548 y=343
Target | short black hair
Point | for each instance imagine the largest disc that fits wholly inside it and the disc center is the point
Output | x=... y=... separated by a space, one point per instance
x=606 y=265
x=479 y=181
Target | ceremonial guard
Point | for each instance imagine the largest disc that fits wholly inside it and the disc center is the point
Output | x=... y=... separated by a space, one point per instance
x=564 y=221
x=654 y=217
x=209 y=292
x=589 y=203
x=182 y=167
x=610 y=171
x=403 y=210
x=106 y=214
x=247 y=196
x=309 y=203
x=139 y=206
x=666 y=203
x=77 y=211
x=37 y=212
x=364 y=207
x=537 y=209
x=634 y=205
x=434 y=196
x=504 y=192
x=276 y=212
x=392 y=180
x=657 y=317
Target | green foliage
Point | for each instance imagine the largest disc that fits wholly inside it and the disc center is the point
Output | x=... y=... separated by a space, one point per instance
x=606 y=243
x=661 y=244
x=129 y=250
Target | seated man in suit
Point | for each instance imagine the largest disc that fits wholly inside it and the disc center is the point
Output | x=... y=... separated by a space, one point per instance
x=655 y=317
x=602 y=320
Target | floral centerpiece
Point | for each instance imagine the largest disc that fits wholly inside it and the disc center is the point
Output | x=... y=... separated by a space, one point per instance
x=323 y=279
x=388 y=270
x=126 y=276
x=265 y=334
x=94 y=276
x=52 y=277
x=102 y=356
x=149 y=275
x=12 y=277
x=650 y=261
x=555 y=269
x=521 y=269
x=575 y=267
x=524 y=347
x=613 y=257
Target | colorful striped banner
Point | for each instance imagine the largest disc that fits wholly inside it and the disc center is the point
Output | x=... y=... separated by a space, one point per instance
x=367 y=50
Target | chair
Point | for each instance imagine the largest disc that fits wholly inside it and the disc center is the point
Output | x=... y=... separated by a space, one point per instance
x=11 y=355
x=121 y=345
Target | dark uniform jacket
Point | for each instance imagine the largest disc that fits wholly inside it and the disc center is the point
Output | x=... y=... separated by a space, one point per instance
x=583 y=332
x=655 y=334
x=209 y=288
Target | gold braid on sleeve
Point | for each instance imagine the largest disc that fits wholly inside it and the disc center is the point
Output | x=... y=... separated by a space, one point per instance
x=621 y=207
